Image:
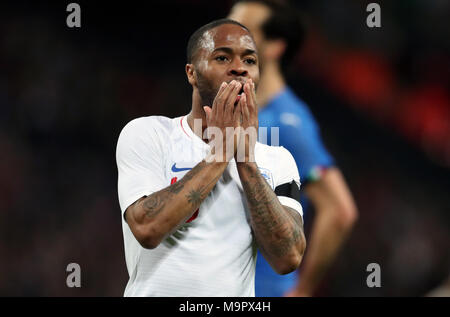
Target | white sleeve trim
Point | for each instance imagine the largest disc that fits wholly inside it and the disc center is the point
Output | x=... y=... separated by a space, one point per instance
x=292 y=203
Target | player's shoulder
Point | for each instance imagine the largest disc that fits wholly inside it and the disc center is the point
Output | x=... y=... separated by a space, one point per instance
x=276 y=162
x=154 y=125
x=145 y=131
x=277 y=154
x=149 y=122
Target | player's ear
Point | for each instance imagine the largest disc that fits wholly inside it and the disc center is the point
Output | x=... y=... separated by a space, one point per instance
x=274 y=49
x=190 y=73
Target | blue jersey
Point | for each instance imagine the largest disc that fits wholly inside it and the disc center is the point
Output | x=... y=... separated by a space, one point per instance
x=298 y=133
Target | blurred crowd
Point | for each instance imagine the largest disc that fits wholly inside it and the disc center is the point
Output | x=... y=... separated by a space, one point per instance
x=397 y=74
x=380 y=96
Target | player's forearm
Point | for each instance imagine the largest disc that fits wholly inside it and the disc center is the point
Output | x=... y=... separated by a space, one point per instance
x=335 y=216
x=324 y=243
x=161 y=213
x=278 y=235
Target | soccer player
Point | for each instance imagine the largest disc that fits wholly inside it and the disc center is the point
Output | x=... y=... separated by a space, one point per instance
x=194 y=214
x=278 y=33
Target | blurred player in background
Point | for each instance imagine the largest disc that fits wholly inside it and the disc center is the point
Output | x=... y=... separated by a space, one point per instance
x=278 y=33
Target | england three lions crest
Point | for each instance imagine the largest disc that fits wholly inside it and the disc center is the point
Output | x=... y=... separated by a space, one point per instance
x=267 y=174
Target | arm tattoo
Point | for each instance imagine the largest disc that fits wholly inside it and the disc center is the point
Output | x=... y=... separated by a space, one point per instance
x=276 y=230
x=176 y=187
x=156 y=202
x=195 y=197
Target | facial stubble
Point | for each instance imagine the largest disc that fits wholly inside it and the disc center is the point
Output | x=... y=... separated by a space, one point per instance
x=206 y=90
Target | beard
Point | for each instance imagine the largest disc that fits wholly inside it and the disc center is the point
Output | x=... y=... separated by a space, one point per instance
x=206 y=90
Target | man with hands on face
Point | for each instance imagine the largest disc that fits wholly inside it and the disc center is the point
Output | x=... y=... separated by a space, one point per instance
x=198 y=200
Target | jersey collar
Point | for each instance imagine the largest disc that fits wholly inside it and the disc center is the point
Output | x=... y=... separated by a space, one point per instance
x=187 y=131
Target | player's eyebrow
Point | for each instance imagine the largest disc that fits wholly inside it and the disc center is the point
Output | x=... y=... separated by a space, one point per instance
x=229 y=50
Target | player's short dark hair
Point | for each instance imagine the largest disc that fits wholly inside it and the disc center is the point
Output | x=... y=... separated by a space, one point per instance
x=194 y=40
x=284 y=22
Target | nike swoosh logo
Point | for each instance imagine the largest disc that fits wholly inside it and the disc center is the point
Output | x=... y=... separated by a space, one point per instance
x=175 y=169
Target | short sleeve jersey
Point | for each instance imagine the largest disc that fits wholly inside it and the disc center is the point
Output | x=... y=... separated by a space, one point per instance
x=213 y=253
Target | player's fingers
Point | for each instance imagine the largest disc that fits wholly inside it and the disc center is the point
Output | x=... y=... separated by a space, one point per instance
x=223 y=99
x=231 y=100
x=254 y=109
x=237 y=113
x=208 y=111
x=231 y=97
x=245 y=112
x=219 y=98
x=254 y=95
x=249 y=94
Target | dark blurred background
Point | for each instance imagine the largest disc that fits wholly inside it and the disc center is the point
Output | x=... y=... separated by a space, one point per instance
x=381 y=97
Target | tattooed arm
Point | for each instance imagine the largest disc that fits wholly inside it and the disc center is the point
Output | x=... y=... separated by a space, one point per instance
x=158 y=215
x=278 y=229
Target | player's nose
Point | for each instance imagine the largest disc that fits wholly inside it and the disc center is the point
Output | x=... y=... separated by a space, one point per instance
x=237 y=68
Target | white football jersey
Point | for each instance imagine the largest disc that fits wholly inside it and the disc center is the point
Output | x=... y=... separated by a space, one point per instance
x=213 y=253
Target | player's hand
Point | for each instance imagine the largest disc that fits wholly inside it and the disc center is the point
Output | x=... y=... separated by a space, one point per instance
x=249 y=124
x=295 y=292
x=222 y=122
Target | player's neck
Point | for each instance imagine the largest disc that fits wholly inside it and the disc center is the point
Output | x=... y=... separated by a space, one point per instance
x=270 y=84
x=197 y=112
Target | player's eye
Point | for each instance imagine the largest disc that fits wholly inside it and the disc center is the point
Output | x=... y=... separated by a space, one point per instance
x=221 y=58
x=250 y=61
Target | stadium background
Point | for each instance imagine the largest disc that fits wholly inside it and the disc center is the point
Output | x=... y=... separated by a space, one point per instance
x=380 y=95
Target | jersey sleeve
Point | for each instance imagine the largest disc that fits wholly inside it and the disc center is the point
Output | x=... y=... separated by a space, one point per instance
x=287 y=182
x=140 y=163
x=304 y=142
